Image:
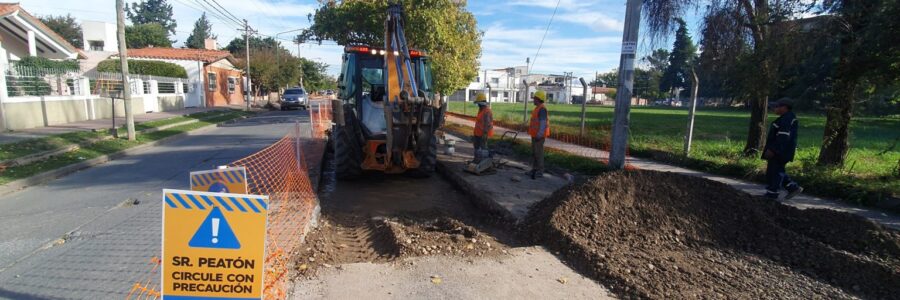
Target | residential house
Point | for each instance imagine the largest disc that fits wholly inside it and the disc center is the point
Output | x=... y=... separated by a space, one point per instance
x=100 y=43
x=213 y=78
x=500 y=85
x=506 y=85
x=22 y=34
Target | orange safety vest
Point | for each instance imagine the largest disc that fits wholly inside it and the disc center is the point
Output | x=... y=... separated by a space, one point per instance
x=535 y=124
x=480 y=125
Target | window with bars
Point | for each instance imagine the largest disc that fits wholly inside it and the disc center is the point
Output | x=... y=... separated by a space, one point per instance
x=232 y=82
x=211 y=81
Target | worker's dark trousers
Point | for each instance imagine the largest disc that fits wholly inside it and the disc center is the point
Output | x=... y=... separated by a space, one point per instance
x=777 y=177
x=537 y=149
x=479 y=142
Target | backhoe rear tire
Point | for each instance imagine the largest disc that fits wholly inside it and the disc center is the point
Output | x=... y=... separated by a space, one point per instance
x=347 y=149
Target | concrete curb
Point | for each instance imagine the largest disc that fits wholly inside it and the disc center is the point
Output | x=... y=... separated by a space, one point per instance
x=72 y=147
x=21 y=184
x=480 y=199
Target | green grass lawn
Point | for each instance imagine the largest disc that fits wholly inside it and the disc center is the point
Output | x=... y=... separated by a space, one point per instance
x=871 y=171
x=111 y=146
x=38 y=145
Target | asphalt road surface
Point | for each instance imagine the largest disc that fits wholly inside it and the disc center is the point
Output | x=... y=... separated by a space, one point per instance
x=83 y=237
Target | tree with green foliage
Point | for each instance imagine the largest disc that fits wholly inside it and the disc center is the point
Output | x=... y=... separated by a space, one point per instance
x=745 y=22
x=67 y=27
x=273 y=67
x=152 y=11
x=677 y=74
x=869 y=54
x=647 y=79
x=236 y=46
x=202 y=31
x=443 y=28
x=606 y=79
x=315 y=76
x=146 y=35
x=658 y=60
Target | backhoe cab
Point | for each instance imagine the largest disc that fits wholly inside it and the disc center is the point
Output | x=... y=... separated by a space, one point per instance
x=386 y=113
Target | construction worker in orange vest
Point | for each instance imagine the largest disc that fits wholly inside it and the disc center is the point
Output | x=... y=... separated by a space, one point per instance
x=538 y=129
x=484 y=123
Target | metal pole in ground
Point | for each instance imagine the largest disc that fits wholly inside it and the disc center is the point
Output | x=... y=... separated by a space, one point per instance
x=525 y=99
x=626 y=83
x=249 y=88
x=123 y=60
x=583 y=103
x=691 y=113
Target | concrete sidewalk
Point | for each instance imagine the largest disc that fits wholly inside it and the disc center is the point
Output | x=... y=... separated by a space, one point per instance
x=39 y=132
x=802 y=201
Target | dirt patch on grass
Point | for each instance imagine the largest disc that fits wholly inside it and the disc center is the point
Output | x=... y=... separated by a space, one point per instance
x=662 y=235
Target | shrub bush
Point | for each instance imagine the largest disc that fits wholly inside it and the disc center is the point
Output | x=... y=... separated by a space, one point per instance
x=144 y=67
x=51 y=66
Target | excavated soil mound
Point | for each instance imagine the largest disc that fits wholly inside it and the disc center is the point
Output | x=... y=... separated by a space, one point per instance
x=662 y=235
x=442 y=236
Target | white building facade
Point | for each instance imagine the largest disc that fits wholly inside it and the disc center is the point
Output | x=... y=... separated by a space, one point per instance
x=514 y=84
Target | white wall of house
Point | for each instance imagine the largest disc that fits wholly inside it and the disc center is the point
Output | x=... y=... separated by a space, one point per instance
x=194 y=95
x=100 y=32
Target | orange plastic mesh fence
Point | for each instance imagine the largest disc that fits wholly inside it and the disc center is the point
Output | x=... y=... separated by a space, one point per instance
x=592 y=145
x=320 y=116
x=279 y=171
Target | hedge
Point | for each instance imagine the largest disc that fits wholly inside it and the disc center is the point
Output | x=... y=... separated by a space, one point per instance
x=45 y=65
x=144 y=67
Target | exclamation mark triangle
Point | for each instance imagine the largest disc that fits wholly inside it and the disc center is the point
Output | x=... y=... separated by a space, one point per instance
x=215 y=232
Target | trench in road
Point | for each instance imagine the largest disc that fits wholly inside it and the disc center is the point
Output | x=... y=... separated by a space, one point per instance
x=381 y=218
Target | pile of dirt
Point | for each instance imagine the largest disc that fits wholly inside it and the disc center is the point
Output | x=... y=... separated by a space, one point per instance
x=442 y=236
x=345 y=239
x=663 y=235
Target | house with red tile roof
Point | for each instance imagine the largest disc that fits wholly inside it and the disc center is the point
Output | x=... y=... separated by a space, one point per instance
x=214 y=80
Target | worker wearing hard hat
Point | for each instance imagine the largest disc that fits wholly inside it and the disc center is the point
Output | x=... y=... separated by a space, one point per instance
x=539 y=129
x=484 y=123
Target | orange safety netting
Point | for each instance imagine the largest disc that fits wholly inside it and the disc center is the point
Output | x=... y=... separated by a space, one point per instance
x=279 y=171
x=594 y=144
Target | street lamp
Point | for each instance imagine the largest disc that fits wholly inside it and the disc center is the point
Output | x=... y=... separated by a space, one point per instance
x=277 y=55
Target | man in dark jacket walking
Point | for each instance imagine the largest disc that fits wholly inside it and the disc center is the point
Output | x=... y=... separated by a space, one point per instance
x=781 y=143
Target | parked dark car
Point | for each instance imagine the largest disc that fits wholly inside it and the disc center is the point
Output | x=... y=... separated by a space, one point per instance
x=294 y=98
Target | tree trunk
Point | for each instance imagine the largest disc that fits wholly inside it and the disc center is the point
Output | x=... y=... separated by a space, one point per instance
x=836 y=139
x=756 y=133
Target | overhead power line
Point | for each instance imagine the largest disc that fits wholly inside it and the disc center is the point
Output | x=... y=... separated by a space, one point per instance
x=220 y=13
x=225 y=10
x=541 y=45
x=202 y=8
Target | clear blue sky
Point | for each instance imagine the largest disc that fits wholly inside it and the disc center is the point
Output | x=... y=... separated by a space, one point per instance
x=585 y=35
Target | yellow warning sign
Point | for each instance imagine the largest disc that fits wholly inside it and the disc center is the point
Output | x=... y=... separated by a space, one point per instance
x=225 y=180
x=213 y=245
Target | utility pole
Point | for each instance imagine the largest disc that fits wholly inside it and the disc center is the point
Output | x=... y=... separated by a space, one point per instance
x=123 y=60
x=626 y=83
x=249 y=87
x=583 y=104
x=691 y=112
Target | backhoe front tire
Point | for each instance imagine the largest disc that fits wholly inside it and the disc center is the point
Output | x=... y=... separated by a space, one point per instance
x=347 y=149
